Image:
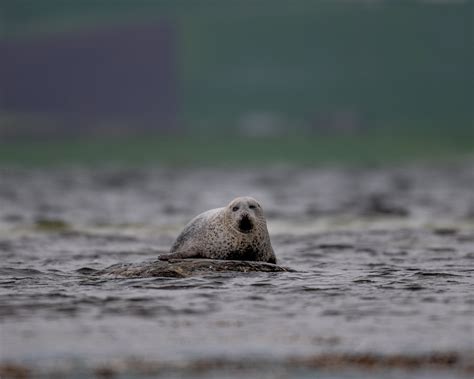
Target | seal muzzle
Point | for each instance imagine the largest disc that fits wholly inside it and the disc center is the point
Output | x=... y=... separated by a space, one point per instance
x=245 y=224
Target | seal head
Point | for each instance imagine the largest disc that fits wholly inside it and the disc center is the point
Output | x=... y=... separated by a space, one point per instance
x=244 y=214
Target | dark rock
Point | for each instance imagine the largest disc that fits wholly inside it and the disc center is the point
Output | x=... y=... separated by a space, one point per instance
x=181 y=268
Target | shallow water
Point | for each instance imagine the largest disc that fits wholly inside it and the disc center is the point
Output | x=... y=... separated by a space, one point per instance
x=384 y=262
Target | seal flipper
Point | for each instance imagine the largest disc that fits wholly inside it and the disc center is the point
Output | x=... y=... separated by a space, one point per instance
x=180 y=255
x=272 y=260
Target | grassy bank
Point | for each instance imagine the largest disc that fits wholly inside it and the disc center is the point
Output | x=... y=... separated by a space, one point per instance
x=238 y=150
x=385 y=63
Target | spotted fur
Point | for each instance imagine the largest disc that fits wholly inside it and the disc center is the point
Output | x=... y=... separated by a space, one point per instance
x=218 y=234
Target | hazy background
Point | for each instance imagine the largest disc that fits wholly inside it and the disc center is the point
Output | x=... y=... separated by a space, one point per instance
x=351 y=122
x=235 y=81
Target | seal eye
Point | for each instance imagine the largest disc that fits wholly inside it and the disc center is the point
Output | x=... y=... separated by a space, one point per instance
x=235 y=209
x=252 y=206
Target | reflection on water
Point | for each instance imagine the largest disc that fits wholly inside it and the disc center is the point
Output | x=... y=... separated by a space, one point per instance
x=383 y=274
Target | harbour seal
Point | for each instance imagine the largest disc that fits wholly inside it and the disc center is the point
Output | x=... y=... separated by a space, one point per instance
x=237 y=232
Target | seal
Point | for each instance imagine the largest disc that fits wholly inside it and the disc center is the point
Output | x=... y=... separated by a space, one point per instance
x=235 y=232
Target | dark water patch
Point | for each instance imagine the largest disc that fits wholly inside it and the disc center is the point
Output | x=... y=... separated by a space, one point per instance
x=396 y=253
x=86 y=271
x=20 y=272
x=382 y=205
x=173 y=287
x=442 y=249
x=414 y=287
x=6 y=246
x=331 y=293
x=152 y=311
x=262 y=284
x=166 y=283
x=54 y=271
x=387 y=287
x=92 y=282
x=466 y=238
x=441 y=259
x=435 y=274
x=382 y=272
x=363 y=281
x=368 y=298
x=13 y=218
x=367 y=250
x=446 y=231
x=311 y=289
x=308 y=253
x=43 y=308
x=331 y=312
x=256 y=298
x=59 y=295
x=7 y=283
x=119 y=178
x=222 y=277
x=138 y=299
x=375 y=265
x=411 y=269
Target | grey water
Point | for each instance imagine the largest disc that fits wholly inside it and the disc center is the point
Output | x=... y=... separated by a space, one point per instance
x=383 y=260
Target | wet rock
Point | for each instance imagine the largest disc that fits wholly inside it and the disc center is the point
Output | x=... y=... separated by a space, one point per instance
x=335 y=246
x=381 y=205
x=182 y=268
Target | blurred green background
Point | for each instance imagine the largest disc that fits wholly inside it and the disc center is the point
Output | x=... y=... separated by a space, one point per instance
x=269 y=81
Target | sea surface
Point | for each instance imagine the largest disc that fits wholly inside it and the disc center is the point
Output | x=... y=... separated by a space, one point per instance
x=382 y=282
